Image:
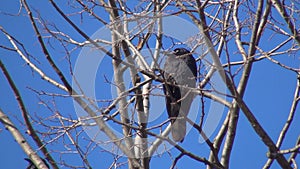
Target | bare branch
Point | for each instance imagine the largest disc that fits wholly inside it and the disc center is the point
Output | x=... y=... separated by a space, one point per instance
x=288 y=123
x=22 y=141
x=15 y=132
x=280 y=8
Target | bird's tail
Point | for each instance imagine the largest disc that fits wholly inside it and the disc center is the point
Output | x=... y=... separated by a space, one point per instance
x=179 y=129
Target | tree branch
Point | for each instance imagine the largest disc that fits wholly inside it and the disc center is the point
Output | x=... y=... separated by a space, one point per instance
x=17 y=135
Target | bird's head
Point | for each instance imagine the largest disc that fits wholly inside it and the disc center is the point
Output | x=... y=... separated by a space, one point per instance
x=180 y=51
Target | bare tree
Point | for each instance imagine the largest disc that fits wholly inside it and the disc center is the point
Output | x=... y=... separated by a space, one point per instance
x=76 y=68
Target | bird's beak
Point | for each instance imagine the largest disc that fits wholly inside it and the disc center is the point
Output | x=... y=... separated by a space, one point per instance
x=167 y=53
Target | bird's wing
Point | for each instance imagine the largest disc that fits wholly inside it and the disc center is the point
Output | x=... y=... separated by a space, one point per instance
x=171 y=91
x=173 y=96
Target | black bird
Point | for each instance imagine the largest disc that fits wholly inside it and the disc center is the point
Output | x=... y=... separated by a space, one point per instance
x=180 y=71
x=32 y=166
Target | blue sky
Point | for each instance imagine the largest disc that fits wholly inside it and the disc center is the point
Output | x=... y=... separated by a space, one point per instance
x=269 y=95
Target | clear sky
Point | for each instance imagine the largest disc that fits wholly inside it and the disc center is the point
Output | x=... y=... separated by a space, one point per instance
x=269 y=94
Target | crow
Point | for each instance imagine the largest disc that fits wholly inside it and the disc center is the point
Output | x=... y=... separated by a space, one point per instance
x=180 y=72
